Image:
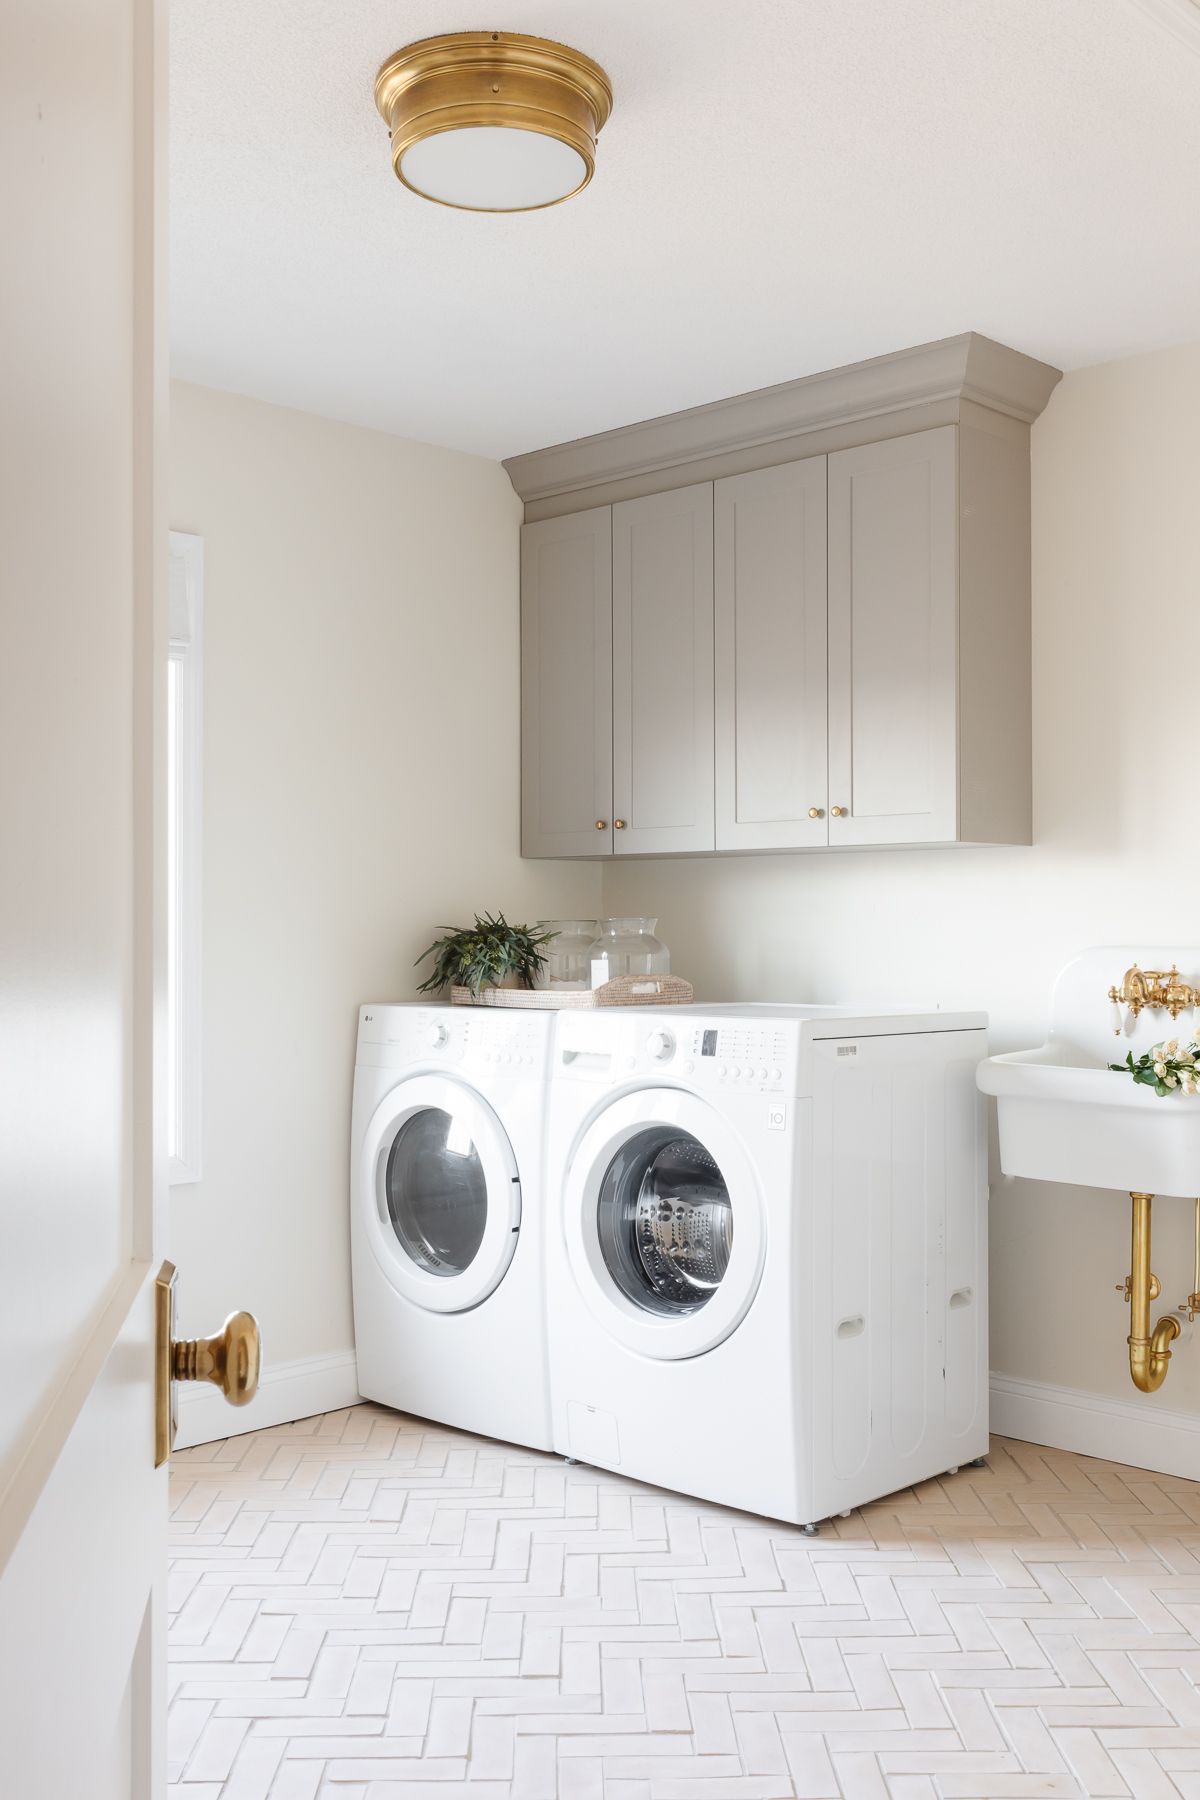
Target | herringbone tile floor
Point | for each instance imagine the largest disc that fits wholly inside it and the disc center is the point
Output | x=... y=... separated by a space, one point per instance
x=366 y=1607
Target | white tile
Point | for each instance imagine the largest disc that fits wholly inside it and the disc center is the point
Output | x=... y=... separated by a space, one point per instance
x=370 y=1608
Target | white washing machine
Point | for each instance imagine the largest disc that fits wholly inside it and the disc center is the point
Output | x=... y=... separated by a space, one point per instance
x=767 y=1286
x=447 y=1216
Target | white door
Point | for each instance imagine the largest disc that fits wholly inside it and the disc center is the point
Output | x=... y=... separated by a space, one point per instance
x=663 y=672
x=440 y=1193
x=82 y=691
x=769 y=614
x=566 y=685
x=893 y=641
x=664 y=1223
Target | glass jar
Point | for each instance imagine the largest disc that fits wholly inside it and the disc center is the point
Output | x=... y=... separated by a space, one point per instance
x=568 y=954
x=627 y=947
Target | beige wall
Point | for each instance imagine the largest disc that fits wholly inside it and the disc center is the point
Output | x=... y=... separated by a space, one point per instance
x=1116 y=547
x=360 y=788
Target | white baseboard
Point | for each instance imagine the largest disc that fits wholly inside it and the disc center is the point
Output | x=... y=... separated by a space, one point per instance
x=287 y=1391
x=1140 y=1433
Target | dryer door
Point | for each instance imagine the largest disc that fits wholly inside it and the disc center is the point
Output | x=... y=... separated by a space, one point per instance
x=664 y=1223
x=440 y=1192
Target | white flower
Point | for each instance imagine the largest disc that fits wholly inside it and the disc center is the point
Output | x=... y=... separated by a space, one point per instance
x=1171 y=1047
x=1171 y=1080
x=1188 y=1083
x=1160 y=1069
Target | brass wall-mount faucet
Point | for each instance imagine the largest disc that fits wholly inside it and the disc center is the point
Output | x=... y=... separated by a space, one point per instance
x=1153 y=990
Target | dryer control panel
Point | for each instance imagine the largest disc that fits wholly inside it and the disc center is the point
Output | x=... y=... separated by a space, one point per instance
x=465 y=1037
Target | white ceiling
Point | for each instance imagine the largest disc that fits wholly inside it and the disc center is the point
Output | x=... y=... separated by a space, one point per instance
x=784 y=186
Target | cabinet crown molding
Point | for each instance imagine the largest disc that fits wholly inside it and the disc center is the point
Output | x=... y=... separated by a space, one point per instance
x=963 y=368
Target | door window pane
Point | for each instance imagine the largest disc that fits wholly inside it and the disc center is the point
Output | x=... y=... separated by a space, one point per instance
x=665 y=1221
x=436 y=1192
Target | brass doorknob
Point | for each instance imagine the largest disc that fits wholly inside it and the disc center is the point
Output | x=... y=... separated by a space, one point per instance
x=601 y=824
x=231 y=1360
x=817 y=812
x=837 y=812
x=620 y=824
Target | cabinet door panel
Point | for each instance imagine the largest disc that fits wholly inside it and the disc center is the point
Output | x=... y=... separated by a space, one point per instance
x=566 y=685
x=663 y=671
x=893 y=596
x=769 y=604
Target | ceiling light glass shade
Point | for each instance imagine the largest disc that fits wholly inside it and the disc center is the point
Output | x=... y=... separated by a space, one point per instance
x=493 y=168
x=492 y=121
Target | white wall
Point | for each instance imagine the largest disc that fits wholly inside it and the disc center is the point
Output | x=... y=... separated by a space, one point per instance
x=360 y=789
x=1116 y=565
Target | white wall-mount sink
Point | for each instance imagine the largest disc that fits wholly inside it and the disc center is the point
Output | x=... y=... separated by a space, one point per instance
x=1065 y=1116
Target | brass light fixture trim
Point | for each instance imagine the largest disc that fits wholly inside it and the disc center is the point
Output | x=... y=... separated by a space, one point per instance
x=469 y=79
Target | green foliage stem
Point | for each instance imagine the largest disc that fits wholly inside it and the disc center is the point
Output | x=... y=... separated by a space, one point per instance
x=485 y=954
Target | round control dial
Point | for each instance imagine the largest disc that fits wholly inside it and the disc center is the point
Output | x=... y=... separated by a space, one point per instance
x=436 y=1036
x=660 y=1045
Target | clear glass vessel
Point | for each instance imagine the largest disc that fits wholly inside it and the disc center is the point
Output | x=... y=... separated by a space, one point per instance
x=628 y=947
x=569 y=954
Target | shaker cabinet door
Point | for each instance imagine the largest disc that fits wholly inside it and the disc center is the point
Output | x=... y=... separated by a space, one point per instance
x=769 y=603
x=893 y=601
x=566 y=685
x=663 y=672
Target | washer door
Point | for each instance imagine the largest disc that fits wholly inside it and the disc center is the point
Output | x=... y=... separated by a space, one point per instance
x=664 y=1223
x=440 y=1192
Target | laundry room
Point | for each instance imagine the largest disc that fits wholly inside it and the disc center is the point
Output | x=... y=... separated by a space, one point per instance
x=619 y=938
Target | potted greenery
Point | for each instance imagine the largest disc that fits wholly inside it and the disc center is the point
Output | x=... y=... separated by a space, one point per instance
x=489 y=954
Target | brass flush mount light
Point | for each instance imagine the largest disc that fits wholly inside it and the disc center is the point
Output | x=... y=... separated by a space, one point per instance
x=492 y=121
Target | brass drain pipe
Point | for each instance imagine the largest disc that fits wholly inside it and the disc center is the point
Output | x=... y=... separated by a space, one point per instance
x=1149 y=1352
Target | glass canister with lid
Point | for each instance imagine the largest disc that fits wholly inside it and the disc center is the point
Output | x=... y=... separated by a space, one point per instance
x=627 y=947
x=569 y=953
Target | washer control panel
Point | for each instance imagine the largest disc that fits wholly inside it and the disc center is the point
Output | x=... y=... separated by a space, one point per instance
x=684 y=1046
x=744 y=1054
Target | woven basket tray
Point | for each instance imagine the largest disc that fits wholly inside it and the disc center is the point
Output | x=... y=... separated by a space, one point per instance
x=626 y=990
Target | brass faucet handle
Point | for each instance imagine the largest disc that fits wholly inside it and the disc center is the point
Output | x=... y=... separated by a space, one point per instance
x=231 y=1360
x=1190 y=1308
x=1125 y=1288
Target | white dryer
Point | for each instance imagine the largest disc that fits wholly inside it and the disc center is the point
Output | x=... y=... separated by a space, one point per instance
x=767 y=1286
x=447 y=1216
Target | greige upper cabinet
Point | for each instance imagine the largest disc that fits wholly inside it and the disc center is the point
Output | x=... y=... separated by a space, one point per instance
x=893 y=604
x=566 y=685
x=769 y=607
x=851 y=553
x=662 y=599
x=929 y=638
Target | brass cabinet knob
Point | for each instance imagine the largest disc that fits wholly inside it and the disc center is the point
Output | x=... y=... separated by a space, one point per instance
x=817 y=812
x=620 y=824
x=231 y=1360
x=601 y=824
x=837 y=812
